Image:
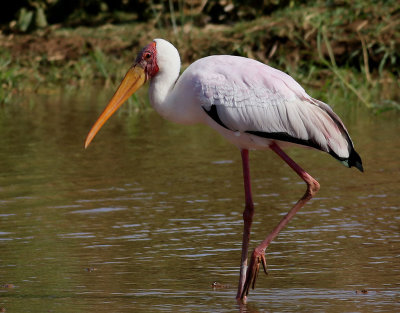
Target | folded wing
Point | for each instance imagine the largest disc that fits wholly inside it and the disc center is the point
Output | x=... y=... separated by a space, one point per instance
x=247 y=96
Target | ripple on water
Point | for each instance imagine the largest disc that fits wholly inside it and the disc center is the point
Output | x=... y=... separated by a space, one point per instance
x=77 y=235
x=97 y=210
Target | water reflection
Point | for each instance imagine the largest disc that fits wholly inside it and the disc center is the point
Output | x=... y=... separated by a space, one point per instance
x=155 y=209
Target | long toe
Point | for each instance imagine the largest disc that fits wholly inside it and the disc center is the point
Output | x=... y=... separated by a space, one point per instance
x=252 y=271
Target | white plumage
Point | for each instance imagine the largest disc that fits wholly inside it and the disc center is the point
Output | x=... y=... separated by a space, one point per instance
x=249 y=97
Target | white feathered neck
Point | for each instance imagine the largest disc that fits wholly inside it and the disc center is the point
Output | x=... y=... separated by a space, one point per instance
x=169 y=65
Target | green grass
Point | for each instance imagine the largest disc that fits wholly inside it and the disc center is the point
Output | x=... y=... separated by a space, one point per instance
x=10 y=76
x=351 y=49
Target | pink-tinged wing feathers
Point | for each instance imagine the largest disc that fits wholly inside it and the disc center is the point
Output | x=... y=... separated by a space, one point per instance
x=252 y=97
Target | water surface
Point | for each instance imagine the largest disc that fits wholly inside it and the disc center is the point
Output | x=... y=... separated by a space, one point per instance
x=150 y=215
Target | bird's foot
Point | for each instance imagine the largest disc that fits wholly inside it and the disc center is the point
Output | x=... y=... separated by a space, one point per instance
x=257 y=257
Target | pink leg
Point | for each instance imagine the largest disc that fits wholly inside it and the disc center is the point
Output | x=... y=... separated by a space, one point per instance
x=258 y=255
x=247 y=218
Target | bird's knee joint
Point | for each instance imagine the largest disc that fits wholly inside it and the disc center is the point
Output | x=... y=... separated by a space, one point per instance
x=313 y=187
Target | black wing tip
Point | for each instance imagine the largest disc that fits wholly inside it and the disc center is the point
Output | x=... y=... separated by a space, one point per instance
x=355 y=160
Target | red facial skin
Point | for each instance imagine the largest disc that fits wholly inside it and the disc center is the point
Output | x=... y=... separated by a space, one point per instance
x=147 y=59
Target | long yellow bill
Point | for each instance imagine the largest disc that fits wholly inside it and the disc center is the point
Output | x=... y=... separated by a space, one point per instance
x=132 y=81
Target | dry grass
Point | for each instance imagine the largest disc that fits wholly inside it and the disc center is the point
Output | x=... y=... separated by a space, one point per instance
x=356 y=49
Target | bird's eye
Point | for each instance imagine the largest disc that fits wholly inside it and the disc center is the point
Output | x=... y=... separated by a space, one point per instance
x=147 y=55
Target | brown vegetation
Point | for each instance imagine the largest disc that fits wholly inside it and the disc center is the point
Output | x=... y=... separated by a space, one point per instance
x=301 y=39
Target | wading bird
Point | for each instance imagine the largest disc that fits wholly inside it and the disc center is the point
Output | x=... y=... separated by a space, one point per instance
x=252 y=105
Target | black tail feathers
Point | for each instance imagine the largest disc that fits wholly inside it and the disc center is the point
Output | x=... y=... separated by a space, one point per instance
x=354 y=160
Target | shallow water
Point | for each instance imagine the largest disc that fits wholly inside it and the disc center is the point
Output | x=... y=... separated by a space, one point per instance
x=150 y=215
